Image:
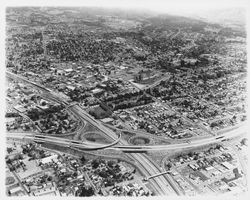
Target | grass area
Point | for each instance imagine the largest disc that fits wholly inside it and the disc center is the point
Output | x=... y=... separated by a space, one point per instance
x=89 y=128
x=186 y=171
x=127 y=135
x=158 y=156
x=99 y=113
x=31 y=166
x=9 y=180
x=70 y=151
x=95 y=137
x=200 y=175
x=160 y=142
x=140 y=141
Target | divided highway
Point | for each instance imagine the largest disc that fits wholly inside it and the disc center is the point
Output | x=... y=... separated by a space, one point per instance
x=119 y=144
x=88 y=146
x=163 y=185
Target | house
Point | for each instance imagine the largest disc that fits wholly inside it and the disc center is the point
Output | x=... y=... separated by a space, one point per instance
x=48 y=159
x=192 y=166
x=16 y=190
x=209 y=168
x=70 y=87
x=107 y=120
x=97 y=90
x=68 y=70
x=227 y=165
x=20 y=108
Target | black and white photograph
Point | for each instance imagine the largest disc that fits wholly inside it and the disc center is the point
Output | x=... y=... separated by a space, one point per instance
x=125 y=99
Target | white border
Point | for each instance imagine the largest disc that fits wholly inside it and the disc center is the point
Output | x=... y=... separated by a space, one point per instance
x=168 y=6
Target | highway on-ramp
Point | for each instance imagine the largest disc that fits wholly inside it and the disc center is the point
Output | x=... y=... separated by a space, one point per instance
x=146 y=165
x=163 y=185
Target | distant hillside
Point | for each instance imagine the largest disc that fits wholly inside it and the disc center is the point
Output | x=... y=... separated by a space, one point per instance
x=230 y=16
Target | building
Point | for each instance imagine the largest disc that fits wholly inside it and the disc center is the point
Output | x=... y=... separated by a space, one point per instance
x=145 y=77
x=107 y=120
x=48 y=159
x=227 y=165
x=16 y=190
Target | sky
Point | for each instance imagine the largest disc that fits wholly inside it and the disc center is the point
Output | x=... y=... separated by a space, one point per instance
x=179 y=7
x=173 y=6
x=200 y=9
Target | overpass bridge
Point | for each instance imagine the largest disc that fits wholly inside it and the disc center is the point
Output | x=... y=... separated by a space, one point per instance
x=162 y=184
x=116 y=145
x=155 y=175
x=87 y=146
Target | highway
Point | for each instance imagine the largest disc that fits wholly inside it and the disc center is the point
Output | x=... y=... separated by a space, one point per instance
x=21 y=78
x=124 y=146
x=195 y=143
x=89 y=146
x=155 y=175
x=147 y=166
x=163 y=185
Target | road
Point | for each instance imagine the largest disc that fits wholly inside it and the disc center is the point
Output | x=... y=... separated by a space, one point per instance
x=195 y=143
x=147 y=166
x=169 y=106
x=120 y=144
x=163 y=185
x=90 y=146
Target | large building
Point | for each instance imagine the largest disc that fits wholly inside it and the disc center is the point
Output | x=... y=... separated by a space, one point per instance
x=145 y=77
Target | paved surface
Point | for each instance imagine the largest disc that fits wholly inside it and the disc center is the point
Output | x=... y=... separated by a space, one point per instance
x=163 y=185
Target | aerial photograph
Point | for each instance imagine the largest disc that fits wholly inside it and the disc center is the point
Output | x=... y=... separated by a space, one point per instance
x=118 y=102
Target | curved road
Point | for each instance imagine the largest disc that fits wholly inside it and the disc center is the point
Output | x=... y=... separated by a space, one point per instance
x=162 y=184
x=124 y=147
x=90 y=146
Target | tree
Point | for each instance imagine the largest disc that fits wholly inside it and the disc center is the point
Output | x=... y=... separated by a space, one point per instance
x=218 y=146
x=196 y=157
x=191 y=154
x=111 y=163
x=86 y=192
x=82 y=159
x=49 y=178
x=213 y=124
x=100 y=192
x=95 y=163
x=18 y=157
x=182 y=63
x=74 y=174
x=103 y=174
x=169 y=165
x=244 y=141
x=8 y=161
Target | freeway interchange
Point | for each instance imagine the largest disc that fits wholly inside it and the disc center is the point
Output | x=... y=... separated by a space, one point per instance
x=127 y=148
x=163 y=185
